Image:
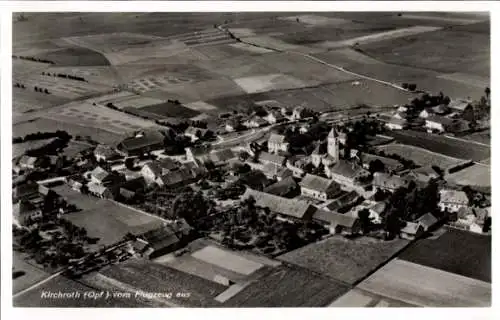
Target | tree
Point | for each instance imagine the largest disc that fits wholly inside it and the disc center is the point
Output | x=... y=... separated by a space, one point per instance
x=404 y=85
x=487 y=224
x=190 y=206
x=412 y=87
x=129 y=163
x=364 y=219
x=487 y=92
x=376 y=166
x=243 y=156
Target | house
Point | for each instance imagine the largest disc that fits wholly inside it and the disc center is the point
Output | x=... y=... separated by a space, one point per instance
x=346 y=173
x=100 y=176
x=255 y=122
x=297 y=113
x=459 y=104
x=452 y=200
x=176 y=178
x=99 y=190
x=76 y=183
x=27 y=162
x=389 y=182
x=154 y=169
x=221 y=157
x=22 y=211
x=266 y=157
x=195 y=133
x=441 y=124
x=423 y=174
x=285 y=188
x=390 y=165
x=396 y=124
x=24 y=191
x=411 y=231
x=232 y=125
x=143 y=142
x=343 y=201
x=270 y=170
x=195 y=153
x=441 y=109
x=277 y=142
x=427 y=221
x=426 y=113
x=105 y=153
x=318 y=187
x=287 y=209
x=274 y=117
x=400 y=115
x=337 y=223
x=158 y=242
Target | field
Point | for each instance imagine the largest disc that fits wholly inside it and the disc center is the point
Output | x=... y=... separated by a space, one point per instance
x=342 y=259
x=478 y=175
x=27 y=100
x=481 y=137
x=32 y=274
x=171 y=110
x=125 y=99
x=421 y=157
x=19 y=149
x=75 y=57
x=357 y=298
x=456 y=251
x=427 y=287
x=268 y=83
x=288 y=286
x=447 y=146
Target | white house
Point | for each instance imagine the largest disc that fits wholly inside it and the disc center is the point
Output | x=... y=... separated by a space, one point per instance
x=452 y=200
x=396 y=124
x=318 y=187
x=277 y=142
x=439 y=123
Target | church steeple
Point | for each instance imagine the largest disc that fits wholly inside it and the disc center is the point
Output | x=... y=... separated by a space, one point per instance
x=333 y=144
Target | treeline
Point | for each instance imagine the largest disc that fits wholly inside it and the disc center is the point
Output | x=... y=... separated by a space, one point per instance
x=42 y=136
x=42 y=90
x=33 y=59
x=182 y=126
x=409 y=86
x=64 y=75
x=19 y=85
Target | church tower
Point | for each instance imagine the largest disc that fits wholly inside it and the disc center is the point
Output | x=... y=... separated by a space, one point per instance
x=333 y=144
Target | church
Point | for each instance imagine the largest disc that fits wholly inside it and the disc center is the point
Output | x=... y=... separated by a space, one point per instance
x=327 y=153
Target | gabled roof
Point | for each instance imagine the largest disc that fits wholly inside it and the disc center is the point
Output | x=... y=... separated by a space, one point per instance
x=148 y=138
x=347 y=169
x=288 y=207
x=427 y=221
x=277 y=138
x=441 y=109
x=334 y=218
x=99 y=174
x=104 y=150
x=282 y=188
x=343 y=201
x=388 y=181
x=392 y=164
x=96 y=188
x=175 y=177
x=221 y=155
x=453 y=196
x=27 y=161
x=379 y=207
x=438 y=119
x=411 y=228
x=317 y=183
x=459 y=104
x=397 y=121
x=269 y=157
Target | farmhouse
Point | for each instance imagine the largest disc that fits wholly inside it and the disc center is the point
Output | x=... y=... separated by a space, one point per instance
x=274 y=117
x=441 y=110
x=221 y=157
x=192 y=154
x=195 y=133
x=427 y=221
x=255 y=122
x=389 y=182
x=318 y=187
x=390 y=165
x=176 y=178
x=141 y=143
x=284 y=188
x=154 y=169
x=343 y=201
x=27 y=162
x=346 y=173
x=273 y=171
x=452 y=200
x=424 y=174
x=411 y=231
x=440 y=124
x=396 y=124
x=100 y=176
x=459 y=104
x=105 y=153
x=99 y=190
x=276 y=143
x=266 y=157
x=337 y=223
x=289 y=209
x=426 y=113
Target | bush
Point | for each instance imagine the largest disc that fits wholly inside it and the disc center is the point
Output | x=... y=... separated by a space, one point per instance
x=412 y=87
x=404 y=85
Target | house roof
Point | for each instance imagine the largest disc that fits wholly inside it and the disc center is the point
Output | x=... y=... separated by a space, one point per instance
x=99 y=174
x=175 y=177
x=104 y=150
x=195 y=130
x=147 y=138
x=284 y=206
x=397 y=121
x=269 y=157
x=343 y=201
x=221 y=155
x=379 y=207
x=335 y=218
x=438 y=119
x=347 y=169
x=411 y=228
x=427 y=220
x=270 y=169
x=453 y=196
x=388 y=181
x=96 y=188
x=128 y=194
x=282 y=188
x=277 y=138
x=459 y=104
x=392 y=164
x=196 y=151
x=317 y=183
x=27 y=161
x=441 y=109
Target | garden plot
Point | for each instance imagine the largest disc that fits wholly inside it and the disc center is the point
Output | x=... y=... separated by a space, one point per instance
x=85 y=114
x=125 y=99
x=427 y=287
x=23 y=68
x=375 y=37
x=269 y=82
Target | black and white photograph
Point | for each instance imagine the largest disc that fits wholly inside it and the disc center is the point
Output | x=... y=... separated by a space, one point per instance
x=250 y=159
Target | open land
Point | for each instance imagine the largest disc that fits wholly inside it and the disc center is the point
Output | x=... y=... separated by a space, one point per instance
x=478 y=175
x=427 y=287
x=357 y=298
x=31 y=274
x=343 y=259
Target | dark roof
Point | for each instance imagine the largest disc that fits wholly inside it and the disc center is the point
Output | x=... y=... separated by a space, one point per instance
x=127 y=194
x=438 y=119
x=148 y=138
x=134 y=184
x=317 y=183
x=388 y=181
x=347 y=169
x=274 y=158
x=175 y=177
x=284 y=206
x=343 y=201
x=99 y=173
x=335 y=218
x=282 y=188
x=427 y=220
x=105 y=151
x=221 y=155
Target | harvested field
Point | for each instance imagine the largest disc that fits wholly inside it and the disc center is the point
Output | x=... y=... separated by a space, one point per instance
x=19 y=149
x=227 y=260
x=22 y=68
x=113 y=42
x=249 y=49
x=200 y=106
x=457 y=148
x=204 y=90
x=237 y=67
x=172 y=110
x=420 y=156
x=27 y=100
x=463 y=50
x=75 y=57
x=357 y=298
x=268 y=83
x=31 y=274
x=85 y=114
x=49 y=124
x=146 y=276
x=478 y=175
x=94 y=74
x=472 y=80
x=481 y=137
x=315 y=20
x=288 y=286
x=456 y=251
x=427 y=287
x=124 y=99
x=35 y=298
x=342 y=259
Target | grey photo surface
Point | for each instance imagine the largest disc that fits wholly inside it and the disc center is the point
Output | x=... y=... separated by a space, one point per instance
x=251 y=159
